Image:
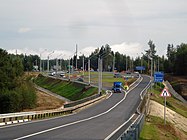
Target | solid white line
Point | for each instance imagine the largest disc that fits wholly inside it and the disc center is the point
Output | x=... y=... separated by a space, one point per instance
x=109 y=136
x=65 y=125
x=109 y=93
x=36 y=121
x=144 y=90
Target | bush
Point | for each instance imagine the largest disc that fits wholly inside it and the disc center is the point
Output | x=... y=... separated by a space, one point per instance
x=16 y=100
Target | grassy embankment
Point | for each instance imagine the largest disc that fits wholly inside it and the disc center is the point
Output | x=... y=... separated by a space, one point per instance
x=107 y=79
x=171 y=102
x=69 y=90
x=154 y=128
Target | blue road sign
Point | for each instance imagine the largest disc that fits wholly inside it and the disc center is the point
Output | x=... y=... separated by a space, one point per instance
x=158 y=77
x=140 y=68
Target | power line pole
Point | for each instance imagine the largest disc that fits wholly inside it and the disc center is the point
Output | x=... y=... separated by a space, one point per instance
x=89 y=71
x=83 y=66
x=126 y=62
x=99 y=76
x=76 y=56
x=113 y=67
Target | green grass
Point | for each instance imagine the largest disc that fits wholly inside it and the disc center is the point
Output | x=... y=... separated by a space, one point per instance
x=154 y=129
x=107 y=78
x=171 y=103
x=69 y=90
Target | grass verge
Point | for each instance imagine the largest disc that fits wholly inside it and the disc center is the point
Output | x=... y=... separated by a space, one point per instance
x=154 y=129
x=69 y=90
x=171 y=102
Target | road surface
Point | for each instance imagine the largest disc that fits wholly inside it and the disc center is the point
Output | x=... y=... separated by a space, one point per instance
x=95 y=122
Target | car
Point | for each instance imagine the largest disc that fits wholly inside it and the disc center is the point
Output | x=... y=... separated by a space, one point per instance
x=53 y=73
x=80 y=79
x=62 y=74
x=117 y=75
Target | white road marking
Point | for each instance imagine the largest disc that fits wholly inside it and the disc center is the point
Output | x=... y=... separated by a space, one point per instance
x=65 y=125
x=109 y=136
x=144 y=90
x=109 y=93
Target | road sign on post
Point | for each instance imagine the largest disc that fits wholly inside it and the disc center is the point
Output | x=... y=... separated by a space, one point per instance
x=140 y=67
x=158 y=77
x=165 y=93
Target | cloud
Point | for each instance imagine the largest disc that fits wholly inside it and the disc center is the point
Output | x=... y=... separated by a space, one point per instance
x=130 y=49
x=23 y=51
x=87 y=51
x=24 y=30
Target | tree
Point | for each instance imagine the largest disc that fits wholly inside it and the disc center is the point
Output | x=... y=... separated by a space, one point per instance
x=12 y=85
x=180 y=64
x=150 y=53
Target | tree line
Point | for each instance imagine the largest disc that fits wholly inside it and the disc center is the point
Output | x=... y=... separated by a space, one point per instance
x=174 y=62
x=16 y=92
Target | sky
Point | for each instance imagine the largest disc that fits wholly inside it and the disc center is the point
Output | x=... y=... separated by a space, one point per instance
x=43 y=26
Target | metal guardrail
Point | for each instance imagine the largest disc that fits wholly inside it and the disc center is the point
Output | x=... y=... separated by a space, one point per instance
x=74 y=103
x=11 y=118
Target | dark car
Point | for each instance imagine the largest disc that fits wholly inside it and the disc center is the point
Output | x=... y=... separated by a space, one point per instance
x=117 y=75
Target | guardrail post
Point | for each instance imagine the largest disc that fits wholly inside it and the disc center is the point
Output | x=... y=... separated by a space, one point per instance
x=10 y=119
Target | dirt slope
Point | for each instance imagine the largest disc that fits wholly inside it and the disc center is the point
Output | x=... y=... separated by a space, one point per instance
x=178 y=120
x=46 y=102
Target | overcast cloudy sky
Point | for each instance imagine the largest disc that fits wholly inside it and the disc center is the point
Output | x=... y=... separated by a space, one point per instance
x=31 y=26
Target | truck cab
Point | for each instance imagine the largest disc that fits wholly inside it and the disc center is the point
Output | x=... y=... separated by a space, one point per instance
x=117 y=87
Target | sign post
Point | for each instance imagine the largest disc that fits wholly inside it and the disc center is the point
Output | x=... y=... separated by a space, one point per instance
x=165 y=93
x=158 y=77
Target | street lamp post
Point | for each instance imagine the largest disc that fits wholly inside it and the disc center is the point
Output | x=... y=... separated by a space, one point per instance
x=113 y=66
x=41 y=60
x=126 y=63
x=158 y=64
x=99 y=75
x=141 y=61
x=83 y=66
x=57 y=62
x=100 y=69
x=48 y=61
x=89 y=71
x=69 y=70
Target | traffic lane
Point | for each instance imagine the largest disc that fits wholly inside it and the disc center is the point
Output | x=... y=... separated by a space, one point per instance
x=96 y=128
x=99 y=127
x=36 y=126
x=39 y=126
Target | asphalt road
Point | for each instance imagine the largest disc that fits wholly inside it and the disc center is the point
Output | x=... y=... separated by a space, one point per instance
x=95 y=122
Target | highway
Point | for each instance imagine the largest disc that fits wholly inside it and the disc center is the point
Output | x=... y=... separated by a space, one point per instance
x=95 y=122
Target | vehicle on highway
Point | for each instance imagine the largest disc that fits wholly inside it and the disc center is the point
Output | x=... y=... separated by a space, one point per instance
x=117 y=87
x=52 y=73
x=117 y=75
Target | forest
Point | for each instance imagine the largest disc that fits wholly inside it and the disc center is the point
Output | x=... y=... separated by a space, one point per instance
x=16 y=91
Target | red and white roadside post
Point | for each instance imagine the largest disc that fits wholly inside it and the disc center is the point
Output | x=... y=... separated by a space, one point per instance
x=165 y=93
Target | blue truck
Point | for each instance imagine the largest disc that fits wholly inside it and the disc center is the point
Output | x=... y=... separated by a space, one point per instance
x=117 y=87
